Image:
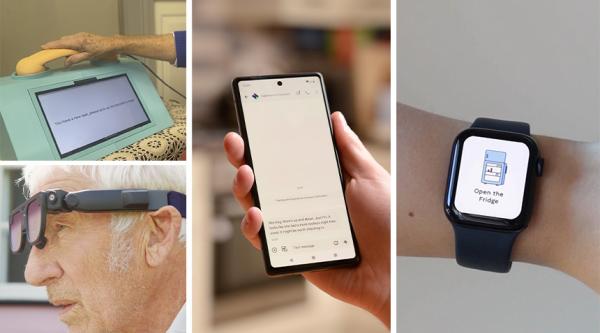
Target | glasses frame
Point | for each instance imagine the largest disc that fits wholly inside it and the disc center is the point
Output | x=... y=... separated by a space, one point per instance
x=59 y=201
x=23 y=210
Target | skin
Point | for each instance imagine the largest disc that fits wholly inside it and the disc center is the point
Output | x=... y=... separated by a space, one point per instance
x=368 y=197
x=90 y=46
x=74 y=268
x=564 y=231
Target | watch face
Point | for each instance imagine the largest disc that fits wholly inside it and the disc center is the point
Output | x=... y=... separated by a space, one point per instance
x=490 y=178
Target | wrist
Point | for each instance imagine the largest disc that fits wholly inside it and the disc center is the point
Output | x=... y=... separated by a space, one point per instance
x=543 y=242
x=382 y=312
x=378 y=300
x=120 y=43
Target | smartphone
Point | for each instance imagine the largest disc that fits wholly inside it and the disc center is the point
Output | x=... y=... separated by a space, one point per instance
x=298 y=184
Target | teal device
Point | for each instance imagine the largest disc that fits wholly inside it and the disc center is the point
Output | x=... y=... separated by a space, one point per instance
x=83 y=112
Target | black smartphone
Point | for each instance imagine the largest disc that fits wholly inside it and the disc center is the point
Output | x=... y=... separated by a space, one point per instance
x=298 y=184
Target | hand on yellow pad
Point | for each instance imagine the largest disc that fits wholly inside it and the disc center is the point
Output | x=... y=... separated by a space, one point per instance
x=35 y=63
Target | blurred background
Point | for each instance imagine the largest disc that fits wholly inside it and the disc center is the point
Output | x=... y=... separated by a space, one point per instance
x=535 y=61
x=346 y=40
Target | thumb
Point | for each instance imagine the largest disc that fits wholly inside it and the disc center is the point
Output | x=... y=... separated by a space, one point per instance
x=354 y=157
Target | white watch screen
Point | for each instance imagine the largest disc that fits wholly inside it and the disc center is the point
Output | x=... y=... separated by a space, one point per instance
x=491 y=177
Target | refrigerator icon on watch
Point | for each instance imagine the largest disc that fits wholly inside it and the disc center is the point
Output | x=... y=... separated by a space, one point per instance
x=494 y=167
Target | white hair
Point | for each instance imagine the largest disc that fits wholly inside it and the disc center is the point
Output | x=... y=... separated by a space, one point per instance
x=150 y=177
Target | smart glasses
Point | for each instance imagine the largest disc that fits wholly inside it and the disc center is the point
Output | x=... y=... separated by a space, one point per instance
x=28 y=220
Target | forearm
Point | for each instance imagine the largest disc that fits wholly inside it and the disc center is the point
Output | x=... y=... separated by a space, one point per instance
x=161 y=47
x=564 y=230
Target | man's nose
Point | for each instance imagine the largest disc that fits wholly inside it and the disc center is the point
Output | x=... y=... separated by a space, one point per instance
x=41 y=268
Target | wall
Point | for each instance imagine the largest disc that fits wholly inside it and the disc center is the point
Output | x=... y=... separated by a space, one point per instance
x=27 y=24
x=169 y=16
x=538 y=61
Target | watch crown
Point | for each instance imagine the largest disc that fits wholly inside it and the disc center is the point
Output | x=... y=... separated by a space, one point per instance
x=539 y=167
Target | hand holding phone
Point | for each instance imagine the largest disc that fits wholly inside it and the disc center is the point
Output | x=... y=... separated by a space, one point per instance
x=284 y=121
x=367 y=194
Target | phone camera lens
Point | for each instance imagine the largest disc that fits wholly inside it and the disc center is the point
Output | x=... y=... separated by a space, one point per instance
x=279 y=83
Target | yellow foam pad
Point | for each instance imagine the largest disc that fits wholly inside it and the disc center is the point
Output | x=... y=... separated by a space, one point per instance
x=35 y=63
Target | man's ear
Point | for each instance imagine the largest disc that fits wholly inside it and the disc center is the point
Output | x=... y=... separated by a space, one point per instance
x=165 y=224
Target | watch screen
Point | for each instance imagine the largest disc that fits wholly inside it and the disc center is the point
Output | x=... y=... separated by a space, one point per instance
x=491 y=177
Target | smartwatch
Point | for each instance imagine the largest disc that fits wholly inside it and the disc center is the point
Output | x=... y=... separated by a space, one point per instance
x=490 y=191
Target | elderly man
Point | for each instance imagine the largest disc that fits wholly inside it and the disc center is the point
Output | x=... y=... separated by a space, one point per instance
x=108 y=243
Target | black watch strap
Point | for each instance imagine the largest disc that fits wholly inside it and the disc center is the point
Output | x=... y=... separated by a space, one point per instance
x=487 y=249
x=502 y=125
x=484 y=249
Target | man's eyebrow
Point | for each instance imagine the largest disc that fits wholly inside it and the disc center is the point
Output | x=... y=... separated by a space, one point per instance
x=61 y=217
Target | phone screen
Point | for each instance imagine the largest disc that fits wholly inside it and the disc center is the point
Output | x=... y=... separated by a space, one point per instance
x=298 y=181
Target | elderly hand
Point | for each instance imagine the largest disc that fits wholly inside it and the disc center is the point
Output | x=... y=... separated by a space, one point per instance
x=368 y=198
x=88 y=45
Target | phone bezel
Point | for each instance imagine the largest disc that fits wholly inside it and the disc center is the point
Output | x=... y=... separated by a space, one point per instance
x=293 y=269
